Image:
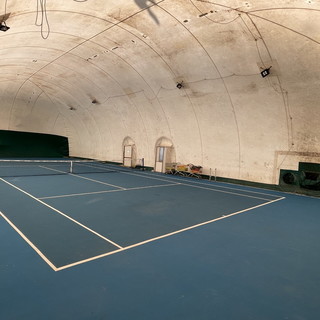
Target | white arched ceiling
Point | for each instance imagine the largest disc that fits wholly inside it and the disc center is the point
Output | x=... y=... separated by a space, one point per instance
x=98 y=71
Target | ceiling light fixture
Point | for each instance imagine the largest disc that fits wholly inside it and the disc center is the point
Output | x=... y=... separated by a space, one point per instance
x=265 y=72
x=180 y=85
x=4 y=27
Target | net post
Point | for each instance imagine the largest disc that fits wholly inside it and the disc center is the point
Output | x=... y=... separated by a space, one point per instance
x=71 y=167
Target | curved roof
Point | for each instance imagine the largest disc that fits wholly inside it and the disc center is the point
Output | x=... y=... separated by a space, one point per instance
x=100 y=72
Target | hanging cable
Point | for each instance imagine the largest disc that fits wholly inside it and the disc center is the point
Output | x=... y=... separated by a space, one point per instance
x=5 y=9
x=44 y=19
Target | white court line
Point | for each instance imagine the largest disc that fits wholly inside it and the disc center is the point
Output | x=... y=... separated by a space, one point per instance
x=166 y=235
x=116 y=169
x=145 y=173
x=63 y=214
x=238 y=189
x=108 y=191
x=229 y=192
x=30 y=243
x=222 y=187
x=208 y=187
x=97 y=181
x=78 y=176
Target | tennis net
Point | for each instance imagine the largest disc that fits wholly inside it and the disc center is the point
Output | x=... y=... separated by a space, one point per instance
x=17 y=168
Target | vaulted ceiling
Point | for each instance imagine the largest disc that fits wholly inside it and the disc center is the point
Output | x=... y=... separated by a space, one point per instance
x=105 y=72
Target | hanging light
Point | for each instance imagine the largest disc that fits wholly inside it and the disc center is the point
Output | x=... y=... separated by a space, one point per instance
x=4 y=27
x=179 y=85
x=265 y=72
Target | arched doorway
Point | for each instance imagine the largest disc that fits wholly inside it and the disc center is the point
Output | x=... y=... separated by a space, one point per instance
x=129 y=152
x=165 y=154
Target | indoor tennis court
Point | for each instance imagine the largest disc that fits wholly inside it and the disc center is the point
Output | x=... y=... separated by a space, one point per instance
x=96 y=241
x=97 y=214
x=159 y=160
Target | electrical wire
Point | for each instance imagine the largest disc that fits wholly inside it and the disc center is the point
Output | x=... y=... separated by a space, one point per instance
x=44 y=19
x=5 y=8
x=5 y=17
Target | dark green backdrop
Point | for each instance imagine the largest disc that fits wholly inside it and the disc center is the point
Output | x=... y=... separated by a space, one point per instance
x=25 y=144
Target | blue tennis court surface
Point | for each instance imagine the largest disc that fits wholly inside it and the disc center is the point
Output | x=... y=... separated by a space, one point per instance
x=140 y=245
x=75 y=218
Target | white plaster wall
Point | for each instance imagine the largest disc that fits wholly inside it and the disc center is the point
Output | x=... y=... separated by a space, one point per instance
x=117 y=78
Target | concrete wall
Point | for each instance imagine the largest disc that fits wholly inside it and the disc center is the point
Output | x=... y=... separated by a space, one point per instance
x=117 y=78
